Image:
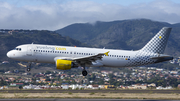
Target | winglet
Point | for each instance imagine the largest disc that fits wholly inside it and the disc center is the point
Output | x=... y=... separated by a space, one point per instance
x=106 y=53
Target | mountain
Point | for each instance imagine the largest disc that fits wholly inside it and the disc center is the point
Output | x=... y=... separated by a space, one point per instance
x=9 y=39
x=125 y=34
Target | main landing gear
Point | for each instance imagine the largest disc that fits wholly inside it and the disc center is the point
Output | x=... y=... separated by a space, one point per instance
x=29 y=67
x=84 y=72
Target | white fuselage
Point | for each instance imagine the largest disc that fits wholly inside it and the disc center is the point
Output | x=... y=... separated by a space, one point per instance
x=48 y=53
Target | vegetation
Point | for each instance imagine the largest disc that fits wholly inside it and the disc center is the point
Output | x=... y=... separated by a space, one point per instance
x=125 y=34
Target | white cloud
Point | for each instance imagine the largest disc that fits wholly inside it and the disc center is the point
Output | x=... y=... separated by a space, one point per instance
x=55 y=16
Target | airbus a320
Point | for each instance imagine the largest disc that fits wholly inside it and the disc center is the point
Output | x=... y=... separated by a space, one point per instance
x=65 y=57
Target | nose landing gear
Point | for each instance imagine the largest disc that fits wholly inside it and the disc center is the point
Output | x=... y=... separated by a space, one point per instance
x=29 y=67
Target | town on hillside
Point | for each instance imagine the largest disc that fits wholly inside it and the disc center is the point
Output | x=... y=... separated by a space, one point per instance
x=98 y=78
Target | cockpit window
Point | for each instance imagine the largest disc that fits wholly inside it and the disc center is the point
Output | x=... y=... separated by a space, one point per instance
x=19 y=49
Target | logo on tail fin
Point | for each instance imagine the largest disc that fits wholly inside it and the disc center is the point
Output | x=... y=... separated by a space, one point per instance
x=153 y=50
x=158 y=43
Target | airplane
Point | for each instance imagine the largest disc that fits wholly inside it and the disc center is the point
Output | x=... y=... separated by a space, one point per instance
x=66 y=57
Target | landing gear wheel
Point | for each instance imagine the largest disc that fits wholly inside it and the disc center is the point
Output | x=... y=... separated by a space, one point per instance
x=29 y=66
x=28 y=69
x=84 y=73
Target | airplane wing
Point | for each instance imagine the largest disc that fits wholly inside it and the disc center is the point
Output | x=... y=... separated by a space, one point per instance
x=90 y=59
x=85 y=59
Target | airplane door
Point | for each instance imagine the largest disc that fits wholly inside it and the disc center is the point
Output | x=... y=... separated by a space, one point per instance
x=29 y=50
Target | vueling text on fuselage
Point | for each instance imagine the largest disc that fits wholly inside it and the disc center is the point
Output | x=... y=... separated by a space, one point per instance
x=60 y=48
x=50 y=48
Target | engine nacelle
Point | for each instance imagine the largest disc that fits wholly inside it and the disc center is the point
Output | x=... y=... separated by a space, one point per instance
x=64 y=64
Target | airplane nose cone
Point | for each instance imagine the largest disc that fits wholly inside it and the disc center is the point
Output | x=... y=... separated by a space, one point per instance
x=9 y=55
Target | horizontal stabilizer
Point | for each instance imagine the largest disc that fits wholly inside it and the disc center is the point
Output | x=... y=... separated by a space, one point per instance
x=162 y=58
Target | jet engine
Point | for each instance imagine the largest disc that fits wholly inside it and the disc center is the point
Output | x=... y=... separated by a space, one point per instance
x=65 y=64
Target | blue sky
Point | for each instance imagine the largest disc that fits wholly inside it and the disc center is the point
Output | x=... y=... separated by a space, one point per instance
x=56 y=14
x=43 y=2
x=129 y=2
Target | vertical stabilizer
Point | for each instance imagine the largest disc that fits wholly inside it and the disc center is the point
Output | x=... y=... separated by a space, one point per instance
x=158 y=43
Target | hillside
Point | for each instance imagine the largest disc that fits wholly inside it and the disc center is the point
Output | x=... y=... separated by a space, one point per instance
x=11 y=39
x=125 y=34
